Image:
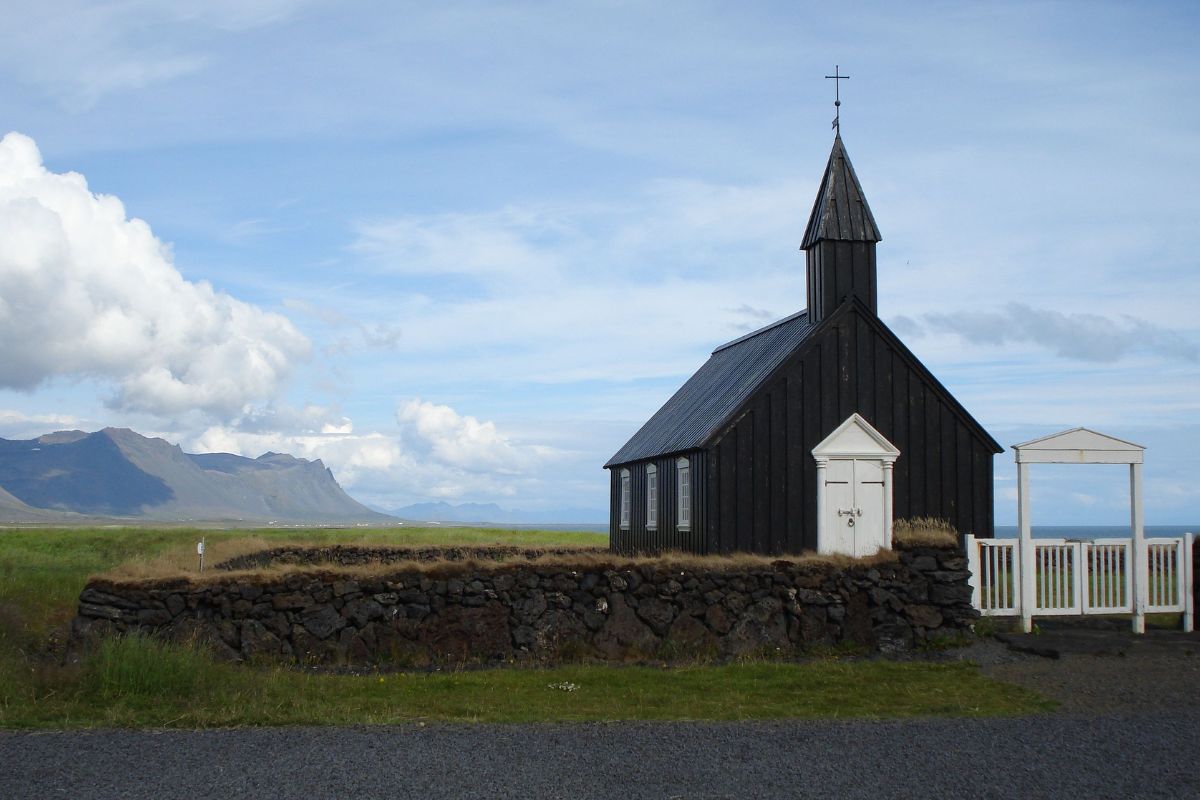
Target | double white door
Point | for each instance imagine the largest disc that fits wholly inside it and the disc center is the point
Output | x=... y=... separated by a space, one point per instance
x=854 y=506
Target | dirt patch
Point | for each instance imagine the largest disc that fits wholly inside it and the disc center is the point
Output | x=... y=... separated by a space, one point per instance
x=1153 y=673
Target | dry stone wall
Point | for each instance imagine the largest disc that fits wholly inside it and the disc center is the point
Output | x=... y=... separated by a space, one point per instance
x=547 y=613
x=354 y=555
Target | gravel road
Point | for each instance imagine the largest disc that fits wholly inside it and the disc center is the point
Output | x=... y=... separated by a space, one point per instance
x=1055 y=756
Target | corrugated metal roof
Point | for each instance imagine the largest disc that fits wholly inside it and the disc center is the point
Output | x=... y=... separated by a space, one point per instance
x=841 y=212
x=733 y=371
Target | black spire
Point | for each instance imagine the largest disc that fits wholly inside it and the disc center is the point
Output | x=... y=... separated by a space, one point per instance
x=839 y=241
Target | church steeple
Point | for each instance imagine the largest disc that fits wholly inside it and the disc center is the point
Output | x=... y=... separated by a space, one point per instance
x=839 y=242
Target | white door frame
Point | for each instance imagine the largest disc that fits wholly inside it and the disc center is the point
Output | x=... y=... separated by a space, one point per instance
x=854 y=439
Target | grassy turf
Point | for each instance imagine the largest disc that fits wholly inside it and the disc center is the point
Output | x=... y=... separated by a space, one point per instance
x=135 y=682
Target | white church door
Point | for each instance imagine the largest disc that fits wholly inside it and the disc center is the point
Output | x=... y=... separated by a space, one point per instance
x=854 y=490
x=854 y=506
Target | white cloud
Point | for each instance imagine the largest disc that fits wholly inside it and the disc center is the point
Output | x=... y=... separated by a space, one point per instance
x=1087 y=337
x=19 y=425
x=86 y=292
x=438 y=453
x=81 y=50
x=502 y=246
x=458 y=440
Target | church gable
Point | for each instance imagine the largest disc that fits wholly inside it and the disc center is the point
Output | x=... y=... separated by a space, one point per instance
x=761 y=461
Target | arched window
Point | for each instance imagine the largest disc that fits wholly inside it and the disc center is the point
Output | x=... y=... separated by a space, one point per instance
x=651 y=497
x=625 y=498
x=683 y=480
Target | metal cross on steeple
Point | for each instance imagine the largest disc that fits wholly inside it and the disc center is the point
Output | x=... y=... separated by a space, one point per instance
x=837 y=96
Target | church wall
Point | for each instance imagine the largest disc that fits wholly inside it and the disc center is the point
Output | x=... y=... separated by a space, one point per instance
x=761 y=470
x=638 y=538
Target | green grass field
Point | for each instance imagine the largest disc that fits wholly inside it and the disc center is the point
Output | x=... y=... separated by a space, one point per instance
x=137 y=682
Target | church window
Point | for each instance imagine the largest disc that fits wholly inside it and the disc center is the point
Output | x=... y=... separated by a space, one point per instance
x=652 y=497
x=683 y=473
x=625 y=497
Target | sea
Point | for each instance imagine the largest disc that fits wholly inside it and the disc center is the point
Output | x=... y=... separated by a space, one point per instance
x=1095 y=531
x=1002 y=531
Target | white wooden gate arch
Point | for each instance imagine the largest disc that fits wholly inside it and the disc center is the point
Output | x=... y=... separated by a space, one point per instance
x=1082 y=446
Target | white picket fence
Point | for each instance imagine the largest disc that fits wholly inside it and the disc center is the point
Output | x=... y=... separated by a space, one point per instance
x=1074 y=577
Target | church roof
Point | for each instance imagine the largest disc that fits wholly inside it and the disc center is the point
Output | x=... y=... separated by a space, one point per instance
x=731 y=374
x=841 y=212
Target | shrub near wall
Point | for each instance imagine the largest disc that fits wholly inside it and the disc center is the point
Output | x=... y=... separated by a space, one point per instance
x=547 y=612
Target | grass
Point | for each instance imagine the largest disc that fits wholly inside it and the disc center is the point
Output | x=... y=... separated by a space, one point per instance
x=924 y=532
x=141 y=682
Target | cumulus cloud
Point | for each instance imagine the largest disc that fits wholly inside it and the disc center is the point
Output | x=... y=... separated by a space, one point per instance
x=437 y=453
x=19 y=425
x=87 y=292
x=1086 y=337
x=353 y=458
x=456 y=439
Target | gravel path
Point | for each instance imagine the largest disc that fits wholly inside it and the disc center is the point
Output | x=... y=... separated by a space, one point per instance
x=1098 y=671
x=1054 y=757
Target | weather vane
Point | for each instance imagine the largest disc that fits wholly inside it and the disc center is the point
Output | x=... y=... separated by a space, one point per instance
x=837 y=96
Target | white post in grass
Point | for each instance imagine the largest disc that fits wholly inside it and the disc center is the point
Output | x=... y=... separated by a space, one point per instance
x=1187 y=576
x=200 y=552
x=1026 y=572
x=1139 y=575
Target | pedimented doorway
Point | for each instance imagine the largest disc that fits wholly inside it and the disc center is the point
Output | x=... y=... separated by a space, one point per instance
x=854 y=489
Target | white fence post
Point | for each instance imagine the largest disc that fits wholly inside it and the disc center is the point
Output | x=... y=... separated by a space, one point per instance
x=1187 y=577
x=976 y=580
x=1028 y=596
x=1139 y=575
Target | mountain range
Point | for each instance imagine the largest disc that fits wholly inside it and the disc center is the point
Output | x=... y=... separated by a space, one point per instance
x=117 y=473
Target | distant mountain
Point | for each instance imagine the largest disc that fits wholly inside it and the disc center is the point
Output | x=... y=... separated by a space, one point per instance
x=490 y=512
x=119 y=473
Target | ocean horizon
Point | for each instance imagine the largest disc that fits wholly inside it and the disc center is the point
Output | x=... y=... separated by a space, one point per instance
x=1095 y=531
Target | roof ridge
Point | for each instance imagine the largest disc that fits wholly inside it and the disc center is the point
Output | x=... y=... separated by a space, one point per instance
x=764 y=329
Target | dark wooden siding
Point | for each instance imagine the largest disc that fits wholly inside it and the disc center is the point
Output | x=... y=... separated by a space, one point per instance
x=761 y=473
x=638 y=538
x=837 y=271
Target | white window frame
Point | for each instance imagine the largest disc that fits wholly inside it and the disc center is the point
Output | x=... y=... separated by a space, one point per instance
x=626 y=497
x=683 y=492
x=651 y=497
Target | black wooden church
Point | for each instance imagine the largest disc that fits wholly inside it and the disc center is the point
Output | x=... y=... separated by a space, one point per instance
x=812 y=431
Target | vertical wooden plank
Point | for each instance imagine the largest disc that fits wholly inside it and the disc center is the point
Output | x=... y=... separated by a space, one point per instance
x=829 y=279
x=902 y=438
x=966 y=478
x=745 y=484
x=933 y=437
x=730 y=521
x=949 y=461
x=814 y=394
x=780 y=477
x=846 y=374
x=863 y=367
x=796 y=486
x=884 y=411
x=919 y=448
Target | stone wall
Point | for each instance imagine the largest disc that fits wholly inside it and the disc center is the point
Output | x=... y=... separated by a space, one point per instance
x=547 y=613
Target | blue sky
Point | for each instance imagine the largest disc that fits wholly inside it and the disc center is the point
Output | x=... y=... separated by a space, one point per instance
x=462 y=251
